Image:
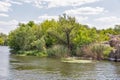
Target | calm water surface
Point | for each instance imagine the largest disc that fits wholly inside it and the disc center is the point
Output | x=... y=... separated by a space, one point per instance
x=36 y=68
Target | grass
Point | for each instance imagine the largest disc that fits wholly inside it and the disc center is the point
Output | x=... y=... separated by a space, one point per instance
x=32 y=53
x=73 y=60
x=57 y=51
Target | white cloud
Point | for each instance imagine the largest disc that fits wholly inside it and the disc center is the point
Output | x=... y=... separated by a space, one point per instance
x=27 y=1
x=47 y=17
x=57 y=3
x=106 y=22
x=8 y=23
x=90 y=25
x=108 y=19
x=14 y=2
x=80 y=18
x=7 y=26
x=4 y=6
x=3 y=15
x=85 y=11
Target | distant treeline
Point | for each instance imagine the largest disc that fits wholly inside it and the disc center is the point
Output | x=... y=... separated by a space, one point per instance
x=64 y=37
x=3 y=39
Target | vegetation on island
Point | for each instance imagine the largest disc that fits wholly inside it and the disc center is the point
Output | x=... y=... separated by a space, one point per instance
x=63 y=38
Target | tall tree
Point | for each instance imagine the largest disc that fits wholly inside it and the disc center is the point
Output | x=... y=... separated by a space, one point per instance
x=63 y=32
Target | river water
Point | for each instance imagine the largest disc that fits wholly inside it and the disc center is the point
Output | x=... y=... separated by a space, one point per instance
x=35 y=68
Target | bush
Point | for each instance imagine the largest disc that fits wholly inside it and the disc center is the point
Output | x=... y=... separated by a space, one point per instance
x=39 y=44
x=57 y=51
x=106 y=52
x=79 y=52
x=94 y=51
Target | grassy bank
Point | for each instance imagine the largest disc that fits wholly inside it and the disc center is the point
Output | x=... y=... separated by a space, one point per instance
x=87 y=52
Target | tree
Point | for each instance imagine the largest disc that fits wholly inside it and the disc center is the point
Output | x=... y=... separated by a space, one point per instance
x=45 y=27
x=85 y=36
x=117 y=29
x=3 y=39
x=22 y=37
x=63 y=32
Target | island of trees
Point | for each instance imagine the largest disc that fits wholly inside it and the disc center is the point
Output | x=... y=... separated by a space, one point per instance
x=63 y=38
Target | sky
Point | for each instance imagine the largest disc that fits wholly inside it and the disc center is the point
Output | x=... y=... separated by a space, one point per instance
x=101 y=14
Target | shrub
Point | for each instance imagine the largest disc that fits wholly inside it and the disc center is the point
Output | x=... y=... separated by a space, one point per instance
x=79 y=51
x=94 y=51
x=57 y=51
x=106 y=52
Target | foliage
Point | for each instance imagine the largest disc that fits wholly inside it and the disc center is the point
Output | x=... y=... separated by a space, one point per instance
x=95 y=51
x=21 y=38
x=63 y=32
x=45 y=27
x=39 y=44
x=103 y=34
x=85 y=36
x=3 y=39
x=117 y=29
x=65 y=37
x=107 y=51
x=57 y=51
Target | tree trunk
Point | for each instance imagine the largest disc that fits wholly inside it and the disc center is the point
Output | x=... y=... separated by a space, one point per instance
x=68 y=42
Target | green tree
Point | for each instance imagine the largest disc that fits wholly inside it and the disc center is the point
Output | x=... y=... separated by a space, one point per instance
x=22 y=37
x=63 y=32
x=45 y=27
x=85 y=36
x=1 y=41
x=117 y=29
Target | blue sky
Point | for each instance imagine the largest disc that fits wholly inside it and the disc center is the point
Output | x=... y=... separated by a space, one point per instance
x=101 y=14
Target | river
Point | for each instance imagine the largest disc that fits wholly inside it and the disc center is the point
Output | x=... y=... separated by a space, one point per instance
x=35 y=68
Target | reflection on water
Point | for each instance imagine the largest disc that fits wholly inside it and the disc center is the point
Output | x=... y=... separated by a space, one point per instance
x=4 y=62
x=36 y=68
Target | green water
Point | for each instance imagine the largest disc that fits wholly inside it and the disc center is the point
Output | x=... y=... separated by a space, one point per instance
x=36 y=68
